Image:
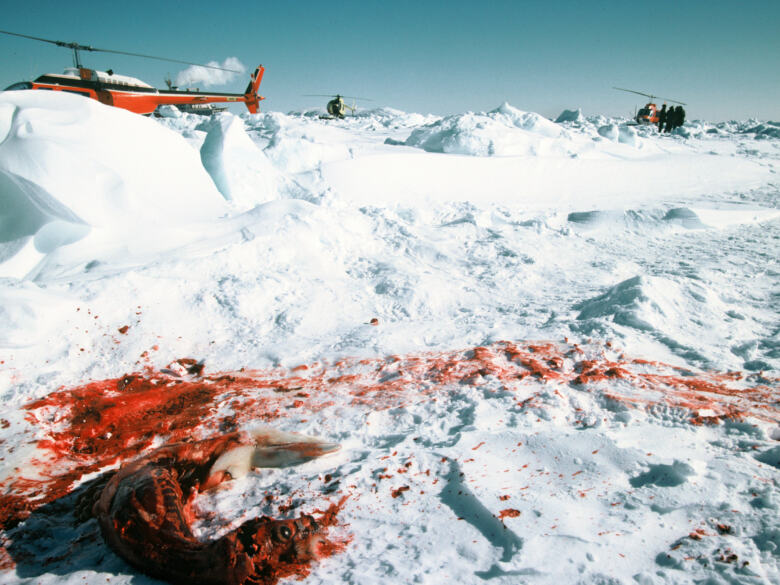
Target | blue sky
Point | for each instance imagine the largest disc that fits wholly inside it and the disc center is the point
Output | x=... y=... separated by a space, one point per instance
x=721 y=58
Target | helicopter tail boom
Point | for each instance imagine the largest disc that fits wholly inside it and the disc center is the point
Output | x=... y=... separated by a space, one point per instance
x=145 y=99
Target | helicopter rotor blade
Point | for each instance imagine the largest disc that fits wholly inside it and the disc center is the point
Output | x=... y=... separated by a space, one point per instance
x=671 y=100
x=636 y=92
x=349 y=97
x=58 y=43
x=652 y=96
x=165 y=59
x=79 y=47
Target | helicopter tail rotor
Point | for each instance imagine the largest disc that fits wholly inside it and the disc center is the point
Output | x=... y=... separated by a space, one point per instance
x=252 y=99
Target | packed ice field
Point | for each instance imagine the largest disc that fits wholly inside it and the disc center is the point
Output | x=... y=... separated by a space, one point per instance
x=549 y=349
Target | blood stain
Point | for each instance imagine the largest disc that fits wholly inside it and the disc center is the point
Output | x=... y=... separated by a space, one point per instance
x=508 y=513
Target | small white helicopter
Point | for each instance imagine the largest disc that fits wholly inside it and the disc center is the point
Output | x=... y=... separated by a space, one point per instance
x=336 y=107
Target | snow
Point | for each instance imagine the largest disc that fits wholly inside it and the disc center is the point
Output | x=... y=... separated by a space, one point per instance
x=569 y=116
x=504 y=131
x=73 y=171
x=242 y=172
x=549 y=350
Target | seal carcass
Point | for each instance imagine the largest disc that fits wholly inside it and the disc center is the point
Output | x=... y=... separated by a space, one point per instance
x=144 y=512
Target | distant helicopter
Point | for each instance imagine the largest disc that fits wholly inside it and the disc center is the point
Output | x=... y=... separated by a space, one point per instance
x=127 y=92
x=649 y=113
x=336 y=107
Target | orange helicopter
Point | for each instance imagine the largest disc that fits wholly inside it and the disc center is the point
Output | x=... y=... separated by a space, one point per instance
x=129 y=93
x=649 y=113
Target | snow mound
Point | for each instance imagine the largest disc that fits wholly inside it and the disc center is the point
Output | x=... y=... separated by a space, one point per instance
x=640 y=302
x=702 y=217
x=765 y=130
x=684 y=316
x=293 y=148
x=530 y=121
x=757 y=129
x=368 y=119
x=240 y=170
x=628 y=135
x=505 y=131
x=609 y=131
x=619 y=133
x=392 y=118
x=169 y=112
x=605 y=221
x=569 y=116
x=69 y=165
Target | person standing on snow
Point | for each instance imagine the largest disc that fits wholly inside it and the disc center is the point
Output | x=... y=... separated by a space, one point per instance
x=680 y=116
x=669 y=120
x=662 y=113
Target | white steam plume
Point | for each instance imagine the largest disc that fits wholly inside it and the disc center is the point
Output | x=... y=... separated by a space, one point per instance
x=198 y=76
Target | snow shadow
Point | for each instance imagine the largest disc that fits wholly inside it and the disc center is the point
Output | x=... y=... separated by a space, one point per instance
x=62 y=538
x=664 y=475
x=466 y=506
x=770 y=457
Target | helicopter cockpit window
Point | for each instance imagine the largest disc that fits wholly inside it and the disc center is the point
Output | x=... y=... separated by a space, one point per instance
x=19 y=85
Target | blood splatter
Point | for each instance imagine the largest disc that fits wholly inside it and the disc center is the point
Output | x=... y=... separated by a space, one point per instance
x=398 y=491
x=697 y=534
x=86 y=429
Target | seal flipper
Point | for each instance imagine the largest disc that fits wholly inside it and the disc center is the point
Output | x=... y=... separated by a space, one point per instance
x=291 y=453
x=232 y=464
x=275 y=448
x=269 y=448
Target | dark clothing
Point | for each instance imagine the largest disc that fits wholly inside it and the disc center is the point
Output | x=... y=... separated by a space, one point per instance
x=662 y=114
x=675 y=118
x=670 y=119
x=680 y=116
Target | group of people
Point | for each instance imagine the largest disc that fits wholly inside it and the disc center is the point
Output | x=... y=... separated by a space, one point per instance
x=670 y=119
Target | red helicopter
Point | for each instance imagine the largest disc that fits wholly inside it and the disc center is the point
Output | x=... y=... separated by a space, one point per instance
x=130 y=93
x=649 y=113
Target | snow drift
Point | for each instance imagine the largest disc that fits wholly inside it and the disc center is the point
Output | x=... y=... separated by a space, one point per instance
x=502 y=132
x=69 y=166
x=549 y=351
x=241 y=171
